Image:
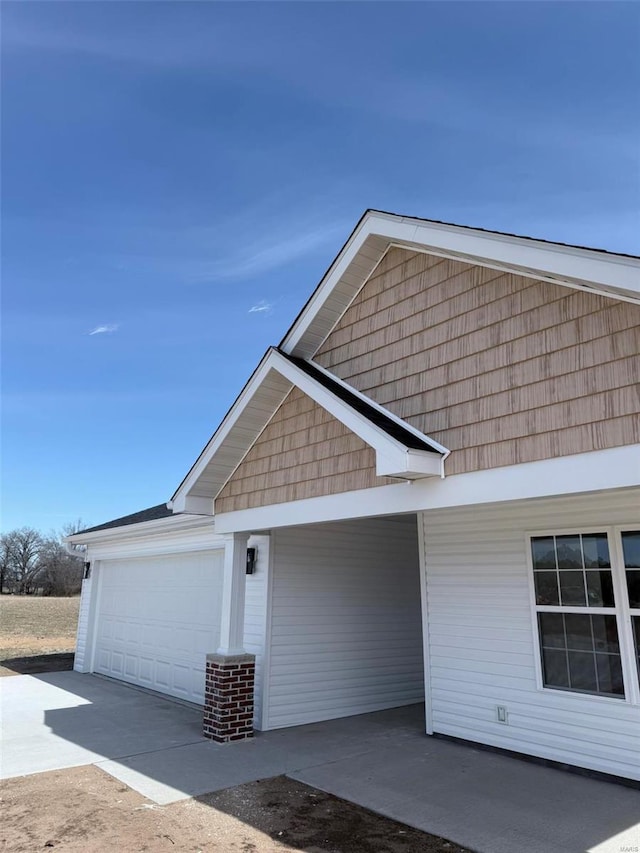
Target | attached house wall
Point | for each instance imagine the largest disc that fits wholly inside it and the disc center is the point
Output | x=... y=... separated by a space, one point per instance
x=499 y=368
x=482 y=635
x=345 y=634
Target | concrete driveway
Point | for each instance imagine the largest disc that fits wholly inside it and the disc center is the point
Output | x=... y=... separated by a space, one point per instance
x=383 y=761
x=64 y=719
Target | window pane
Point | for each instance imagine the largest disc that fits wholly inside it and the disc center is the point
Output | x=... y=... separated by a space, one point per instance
x=605 y=634
x=555 y=668
x=551 y=630
x=631 y=548
x=578 y=631
x=569 y=552
x=635 y=621
x=600 y=589
x=546 y=587
x=544 y=552
x=596 y=551
x=633 y=587
x=581 y=652
x=582 y=671
x=572 y=588
x=609 y=671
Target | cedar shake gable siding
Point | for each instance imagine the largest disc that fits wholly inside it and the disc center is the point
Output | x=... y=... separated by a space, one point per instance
x=499 y=368
x=303 y=452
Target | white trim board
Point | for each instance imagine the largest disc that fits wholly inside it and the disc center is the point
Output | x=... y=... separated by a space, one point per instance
x=171 y=524
x=156 y=544
x=614 y=276
x=260 y=398
x=616 y=468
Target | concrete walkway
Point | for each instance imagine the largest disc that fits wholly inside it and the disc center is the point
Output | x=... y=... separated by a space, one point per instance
x=383 y=761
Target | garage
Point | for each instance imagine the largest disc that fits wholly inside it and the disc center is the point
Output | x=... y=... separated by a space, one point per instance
x=157 y=618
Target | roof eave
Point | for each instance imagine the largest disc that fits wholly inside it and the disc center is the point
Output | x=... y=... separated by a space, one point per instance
x=179 y=521
x=614 y=276
x=280 y=374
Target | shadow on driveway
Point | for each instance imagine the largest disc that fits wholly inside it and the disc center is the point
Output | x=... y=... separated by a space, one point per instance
x=382 y=761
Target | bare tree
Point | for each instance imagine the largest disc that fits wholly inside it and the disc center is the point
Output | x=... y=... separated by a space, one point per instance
x=32 y=563
x=61 y=572
x=5 y=563
x=21 y=552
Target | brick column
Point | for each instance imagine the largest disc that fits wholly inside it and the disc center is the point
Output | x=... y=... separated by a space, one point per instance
x=228 y=697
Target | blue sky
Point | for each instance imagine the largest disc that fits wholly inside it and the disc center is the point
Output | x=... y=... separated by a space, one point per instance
x=177 y=176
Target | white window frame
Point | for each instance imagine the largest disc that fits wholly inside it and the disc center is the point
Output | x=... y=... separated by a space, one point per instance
x=621 y=611
x=626 y=608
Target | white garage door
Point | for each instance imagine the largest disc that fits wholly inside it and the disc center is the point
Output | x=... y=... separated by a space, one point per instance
x=158 y=617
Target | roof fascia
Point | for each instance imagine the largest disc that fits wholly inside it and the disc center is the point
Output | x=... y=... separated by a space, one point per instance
x=223 y=430
x=392 y=457
x=168 y=524
x=613 y=276
x=561 y=262
x=372 y=403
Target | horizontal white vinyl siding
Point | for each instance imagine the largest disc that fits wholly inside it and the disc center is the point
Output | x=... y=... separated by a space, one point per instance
x=80 y=662
x=482 y=637
x=255 y=618
x=346 y=627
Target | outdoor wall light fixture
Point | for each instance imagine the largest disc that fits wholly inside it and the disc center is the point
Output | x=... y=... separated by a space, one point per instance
x=251 y=560
x=87 y=571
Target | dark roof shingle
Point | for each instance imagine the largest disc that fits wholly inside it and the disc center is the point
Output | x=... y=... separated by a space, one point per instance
x=151 y=514
x=372 y=413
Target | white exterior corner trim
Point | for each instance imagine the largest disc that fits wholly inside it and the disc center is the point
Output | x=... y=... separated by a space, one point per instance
x=393 y=458
x=615 y=468
x=610 y=275
x=424 y=611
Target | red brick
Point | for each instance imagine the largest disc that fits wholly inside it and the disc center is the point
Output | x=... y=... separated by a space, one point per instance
x=229 y=692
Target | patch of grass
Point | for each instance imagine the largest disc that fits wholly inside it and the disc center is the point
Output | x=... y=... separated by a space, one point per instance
x=31 y=625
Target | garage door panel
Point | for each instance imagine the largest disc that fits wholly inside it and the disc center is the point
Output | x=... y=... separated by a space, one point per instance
x=117 y=662
x=145 y=673
x=163 y=674
x=119 y=631
x=184 y=641
x=133 y=634
x=103 y=660
x=131 y=666
x=105 y=630
x=182 y=678
x=201 y=643
x=158 y=618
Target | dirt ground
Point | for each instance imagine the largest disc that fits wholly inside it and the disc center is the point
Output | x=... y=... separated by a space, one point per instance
x=37 y=634
x=84 y=810
x=35 y=625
